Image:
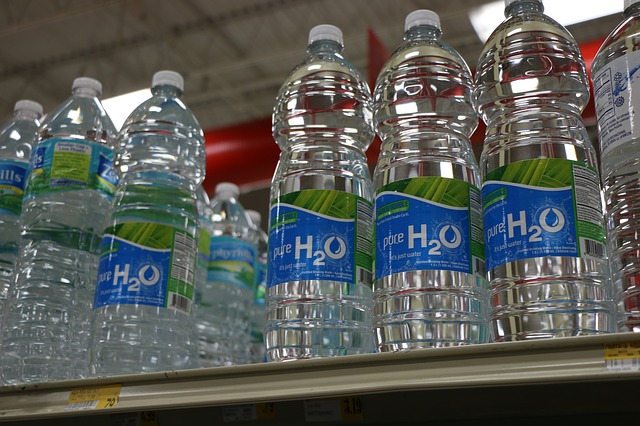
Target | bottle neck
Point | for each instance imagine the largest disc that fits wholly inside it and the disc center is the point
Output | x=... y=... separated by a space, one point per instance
x=422 y=32
x=324 y=46
x=523 y=6
x=632 y=10
x=166 y=90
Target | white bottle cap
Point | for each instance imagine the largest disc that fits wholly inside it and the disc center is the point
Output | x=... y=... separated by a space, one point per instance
x=325 y=32
x=170 y=78
x=422 y=17
x=87 y=83
x=28 y=105
x=227 y=188
x=629 y=3
x=255 y=217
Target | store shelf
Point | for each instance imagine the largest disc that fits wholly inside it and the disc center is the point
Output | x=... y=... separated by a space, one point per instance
x=565 y=363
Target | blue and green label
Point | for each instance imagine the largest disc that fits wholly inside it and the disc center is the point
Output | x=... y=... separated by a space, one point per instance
x=147 y=264
x=542 y=207
x=232 y=261
x=320 y=235
x=428 y=223
x=12 y=180
x=69 y=164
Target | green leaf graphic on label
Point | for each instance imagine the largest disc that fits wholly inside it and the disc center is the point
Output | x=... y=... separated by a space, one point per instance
x=327 y=202
x=441 y=190
x=11 y=203
x=150 y=235
x=544 y=172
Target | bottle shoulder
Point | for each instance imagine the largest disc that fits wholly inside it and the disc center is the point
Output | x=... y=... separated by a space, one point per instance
x=414 y=51
x=622 y=40
x=158 y=111
x=526 y=28
x=76 y=117
x=318 y=66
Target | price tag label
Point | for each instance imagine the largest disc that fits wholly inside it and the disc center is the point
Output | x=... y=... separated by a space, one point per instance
x=249 y=412
x=93 y=398
x=148 y=418
x=266 y=411
x=622 y=356
x=143 y=418
x=332 y=410
x=351 y=409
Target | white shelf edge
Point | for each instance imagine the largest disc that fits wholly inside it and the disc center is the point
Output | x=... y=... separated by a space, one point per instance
x=576 y=359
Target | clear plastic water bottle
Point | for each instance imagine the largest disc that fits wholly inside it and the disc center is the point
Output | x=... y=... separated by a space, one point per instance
x=319 y=296
x=145 y=286
x=615 y=81
x=202 y=267
x=542 y=209
x=429 y=289
x=222 y=314
x=17 y=138
x=257 y=309
x=69 y=189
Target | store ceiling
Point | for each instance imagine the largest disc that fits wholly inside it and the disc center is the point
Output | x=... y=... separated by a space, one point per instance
x=234 y=54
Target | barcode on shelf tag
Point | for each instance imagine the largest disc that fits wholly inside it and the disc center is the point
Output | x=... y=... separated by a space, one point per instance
x=622 y=356
x=93 y=398
x=332 y=410
x=249 y=412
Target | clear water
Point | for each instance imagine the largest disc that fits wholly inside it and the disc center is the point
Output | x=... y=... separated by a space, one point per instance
x=257 y=312
x=17 y=138
x=322 y=121
x=621 y=182
x=160 y=157
x=222 y=315
x=256 y=323
x=531 y=87
x=46 y=326
x=423 y=110
x=135 y=338
x=314 y=318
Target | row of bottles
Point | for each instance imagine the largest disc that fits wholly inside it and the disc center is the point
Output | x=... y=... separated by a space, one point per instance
x=124 y=265
x=412 y=244
x=101 y=275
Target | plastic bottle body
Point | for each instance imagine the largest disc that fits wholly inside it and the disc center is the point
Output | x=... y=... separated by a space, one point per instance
x=142 y=319
x=615 y=98
x=142 y=309
x=223 y=304
x=68 y=193
x=309 y=318
x=17 y=138
x=544 y=236
x=257 y=309
x=427 y=294
x=319 y=296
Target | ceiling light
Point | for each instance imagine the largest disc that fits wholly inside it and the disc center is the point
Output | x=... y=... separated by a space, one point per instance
x=119 y=107
x=487 y=17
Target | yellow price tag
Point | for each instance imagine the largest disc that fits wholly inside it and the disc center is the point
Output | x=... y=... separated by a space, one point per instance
x=148 y=418
x=627 y=350
x=94 y=398
x=351 y=407
x=620 y=357
x=266 y=411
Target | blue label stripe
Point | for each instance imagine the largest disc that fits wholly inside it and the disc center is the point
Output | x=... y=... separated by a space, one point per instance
x=423 y=235
x=311 y=247
x=527 y=222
